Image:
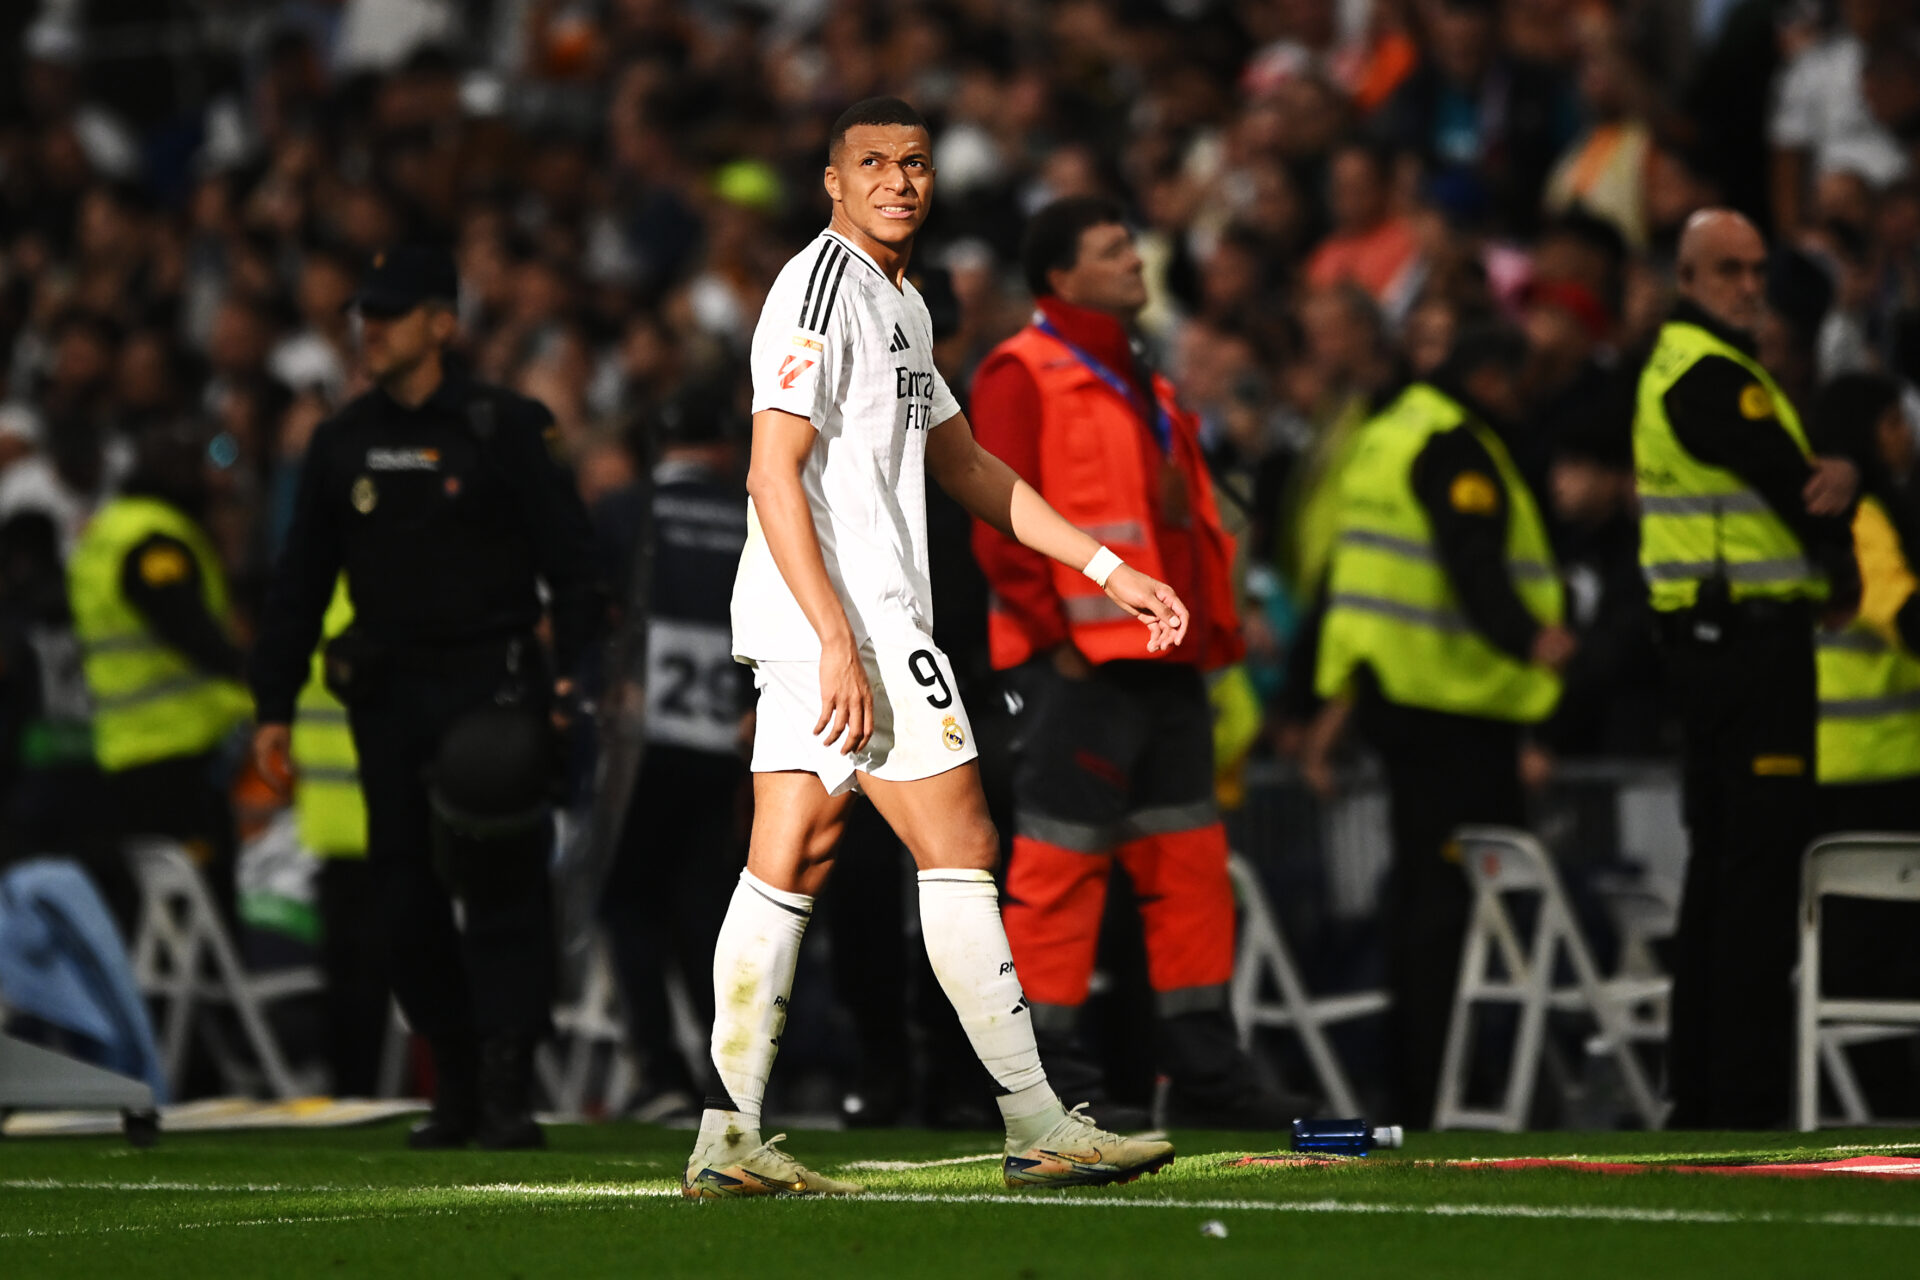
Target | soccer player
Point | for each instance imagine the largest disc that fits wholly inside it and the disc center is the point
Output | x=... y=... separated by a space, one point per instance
x=832 y=608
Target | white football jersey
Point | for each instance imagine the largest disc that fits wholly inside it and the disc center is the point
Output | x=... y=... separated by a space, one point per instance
x=838 y=345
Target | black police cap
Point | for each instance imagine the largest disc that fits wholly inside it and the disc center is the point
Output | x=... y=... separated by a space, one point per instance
x=404 y=277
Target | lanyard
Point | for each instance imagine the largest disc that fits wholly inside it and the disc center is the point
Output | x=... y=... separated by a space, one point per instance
x=1158 y=421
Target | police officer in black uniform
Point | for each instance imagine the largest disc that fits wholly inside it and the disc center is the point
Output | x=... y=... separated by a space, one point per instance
x=444 y=502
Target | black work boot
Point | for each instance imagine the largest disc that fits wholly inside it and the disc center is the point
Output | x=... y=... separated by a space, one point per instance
x=506 y=1096
x=455 y=1117
x=1215 y=1085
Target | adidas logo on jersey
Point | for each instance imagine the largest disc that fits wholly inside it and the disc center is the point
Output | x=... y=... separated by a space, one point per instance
x=899 y=342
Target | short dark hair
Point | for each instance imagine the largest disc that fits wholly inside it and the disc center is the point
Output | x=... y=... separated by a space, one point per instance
x=873 y=111
x=1052 y=239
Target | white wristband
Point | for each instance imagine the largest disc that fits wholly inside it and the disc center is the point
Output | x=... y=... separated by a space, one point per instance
x=1101 y=567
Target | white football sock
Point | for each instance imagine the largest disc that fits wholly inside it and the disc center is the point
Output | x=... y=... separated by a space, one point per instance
x=960 y=920
x=753 y=963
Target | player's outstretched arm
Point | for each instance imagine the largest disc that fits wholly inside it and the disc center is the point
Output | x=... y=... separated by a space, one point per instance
x=990 y=490
x=781 y=443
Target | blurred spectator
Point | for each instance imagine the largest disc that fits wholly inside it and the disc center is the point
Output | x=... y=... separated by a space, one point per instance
x=1728 y=97
x=318 y=354
x=1369 y=244
x=1799 y=292
x=1336 y=386
x=1565 y=376
x=1486 y=122
x=61 y=473
x=1821 y=123
x=1612 y=697
x=1604 y=169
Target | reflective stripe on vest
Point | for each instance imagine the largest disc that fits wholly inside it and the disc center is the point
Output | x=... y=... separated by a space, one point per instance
x=1695 y=517
x=1789 y=569
x=328 y=804
x=1415 y=550
x=150 y=702
x=1391 y=606
x=1869 y=696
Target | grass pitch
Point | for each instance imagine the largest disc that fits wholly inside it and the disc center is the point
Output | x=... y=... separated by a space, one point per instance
x=604 y=1201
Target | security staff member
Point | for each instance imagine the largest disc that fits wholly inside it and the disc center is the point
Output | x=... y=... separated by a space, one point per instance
x=1444 y=637
x=1743 y=539
x=1115 y=755
x=1869 y=673
x=331 y=816
x=1869 y=730
x=444 y=503
x=152 y=614
x=680 y=849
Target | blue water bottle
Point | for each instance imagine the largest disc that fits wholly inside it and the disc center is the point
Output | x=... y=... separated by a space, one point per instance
x=1346 y=1137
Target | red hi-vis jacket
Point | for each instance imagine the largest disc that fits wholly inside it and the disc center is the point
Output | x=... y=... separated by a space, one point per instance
x=1090 y=451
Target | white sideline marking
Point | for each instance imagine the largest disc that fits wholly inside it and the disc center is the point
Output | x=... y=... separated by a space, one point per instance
x=1575 y=1212
x=588 y=1189
x=1809 y=1155
x=61 y=1184
x=598 y=1191
x=35 y=1233
x=902 y=1166
x=584 y=1190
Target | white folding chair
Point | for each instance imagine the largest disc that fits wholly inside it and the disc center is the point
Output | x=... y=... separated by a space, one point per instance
x=1626 y=1010
x=587 y=1030
x=1878 y=865
x=1263 y=955
x=183 y=957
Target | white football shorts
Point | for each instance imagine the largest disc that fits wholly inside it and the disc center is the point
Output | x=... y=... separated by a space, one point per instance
x=920 y=727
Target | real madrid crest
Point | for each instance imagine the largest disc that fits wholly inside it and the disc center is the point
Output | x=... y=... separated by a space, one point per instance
x=951 y=734
x=364 y=495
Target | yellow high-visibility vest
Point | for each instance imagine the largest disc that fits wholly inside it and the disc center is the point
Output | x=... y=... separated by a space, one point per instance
x=1869 y=681
x=327 y=801
x=150 y=702
x=1390 y=604
x=1694 y=517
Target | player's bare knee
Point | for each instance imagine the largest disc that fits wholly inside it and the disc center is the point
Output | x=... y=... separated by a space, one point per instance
x=972 y=846
x=993 y=847
x=822 y=842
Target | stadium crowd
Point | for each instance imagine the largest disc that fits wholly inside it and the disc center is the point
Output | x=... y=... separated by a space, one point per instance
x=1325 y=192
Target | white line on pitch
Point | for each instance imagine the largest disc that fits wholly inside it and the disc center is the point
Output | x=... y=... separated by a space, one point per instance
x=1806 y=1155
x=594 y=1191
x=62 y=1184
x=1573 y=1212
x=302 y=1220
x=902 y=1166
